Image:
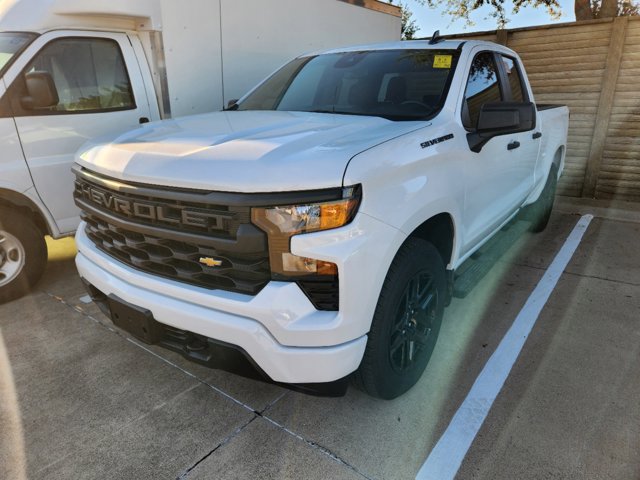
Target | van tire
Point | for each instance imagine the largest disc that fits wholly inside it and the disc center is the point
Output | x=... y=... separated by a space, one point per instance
x=400 y=319
x=540 y=211
x=23 y=254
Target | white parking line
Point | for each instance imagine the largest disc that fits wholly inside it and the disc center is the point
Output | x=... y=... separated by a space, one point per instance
x=85 y=299
x=446 y=457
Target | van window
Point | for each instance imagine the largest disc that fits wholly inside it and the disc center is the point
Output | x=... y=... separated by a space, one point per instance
x=482 y=87
x=10 y=44
x=89 y=75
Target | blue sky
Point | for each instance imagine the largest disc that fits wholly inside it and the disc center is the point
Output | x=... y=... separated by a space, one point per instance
x=430 y=20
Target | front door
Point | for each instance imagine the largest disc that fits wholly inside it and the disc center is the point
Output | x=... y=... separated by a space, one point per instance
x=496 y=178
x=100 y=92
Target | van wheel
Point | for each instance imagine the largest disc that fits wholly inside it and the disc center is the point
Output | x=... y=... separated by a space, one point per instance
x=540 y=211
x=23 y=254
x=406 y=322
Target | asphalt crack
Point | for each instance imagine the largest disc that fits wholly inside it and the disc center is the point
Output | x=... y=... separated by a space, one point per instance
x=226 y=440
x=320 y=448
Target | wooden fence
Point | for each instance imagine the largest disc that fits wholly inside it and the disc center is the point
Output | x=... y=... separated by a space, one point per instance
x=594 y=68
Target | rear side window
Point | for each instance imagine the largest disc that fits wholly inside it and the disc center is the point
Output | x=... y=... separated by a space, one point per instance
x=518 y=93
x=89 y=75
x=483 y=87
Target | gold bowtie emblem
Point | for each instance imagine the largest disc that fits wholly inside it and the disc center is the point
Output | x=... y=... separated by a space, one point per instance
x=210 y=262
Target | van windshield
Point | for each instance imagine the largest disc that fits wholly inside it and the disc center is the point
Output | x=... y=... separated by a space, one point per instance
x=10 y=44
x=394 y=84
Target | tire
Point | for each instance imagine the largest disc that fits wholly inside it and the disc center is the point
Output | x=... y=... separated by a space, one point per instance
x=403 y=335
x=540 y=211
x=23 y=254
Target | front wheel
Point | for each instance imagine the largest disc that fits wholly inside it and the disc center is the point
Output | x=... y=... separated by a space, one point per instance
x=406 y=322
x=23 y=254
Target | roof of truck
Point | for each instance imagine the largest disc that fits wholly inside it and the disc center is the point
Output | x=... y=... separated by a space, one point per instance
x=409 y=45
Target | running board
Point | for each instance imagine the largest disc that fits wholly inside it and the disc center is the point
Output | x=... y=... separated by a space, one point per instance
x=473 y=270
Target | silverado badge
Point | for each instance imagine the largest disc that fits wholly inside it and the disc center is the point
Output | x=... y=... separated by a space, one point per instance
x=210 y=262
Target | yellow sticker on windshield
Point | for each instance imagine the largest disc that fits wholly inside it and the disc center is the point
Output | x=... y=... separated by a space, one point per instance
x=442 y=61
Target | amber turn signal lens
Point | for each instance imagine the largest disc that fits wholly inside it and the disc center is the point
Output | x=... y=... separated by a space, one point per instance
x=282 y=222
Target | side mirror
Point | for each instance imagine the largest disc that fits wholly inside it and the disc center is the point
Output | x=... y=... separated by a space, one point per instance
x=501 y=118
x=41 y=91
x=232 y=104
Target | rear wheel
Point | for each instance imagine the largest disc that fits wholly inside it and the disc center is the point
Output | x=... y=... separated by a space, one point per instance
x=23 y=254
x=540 y=211
x=406 y=322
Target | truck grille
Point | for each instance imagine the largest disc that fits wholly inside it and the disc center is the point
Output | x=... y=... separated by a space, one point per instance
x=195 y=242
x=192 y=236
x=179 y=260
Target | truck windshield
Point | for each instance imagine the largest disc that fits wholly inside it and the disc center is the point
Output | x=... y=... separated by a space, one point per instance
x=394 y=84
x=10 y=44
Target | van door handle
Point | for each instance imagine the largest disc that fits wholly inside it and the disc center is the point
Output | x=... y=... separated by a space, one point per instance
x=142 y=120
x=536 y=135
x=513 y=145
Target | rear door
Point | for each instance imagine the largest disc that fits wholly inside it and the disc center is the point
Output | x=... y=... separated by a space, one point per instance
x=528 y=143
x=100 y=90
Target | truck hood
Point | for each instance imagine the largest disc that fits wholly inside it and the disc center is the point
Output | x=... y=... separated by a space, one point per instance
x=246 y=151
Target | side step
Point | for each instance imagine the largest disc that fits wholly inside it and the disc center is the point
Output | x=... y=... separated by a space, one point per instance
x=472 y=271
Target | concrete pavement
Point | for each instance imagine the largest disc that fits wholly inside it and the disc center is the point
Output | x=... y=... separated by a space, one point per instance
x=93 y=403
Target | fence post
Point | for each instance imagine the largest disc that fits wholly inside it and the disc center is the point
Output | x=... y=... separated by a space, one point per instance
x=605 y=105
x=502 y=36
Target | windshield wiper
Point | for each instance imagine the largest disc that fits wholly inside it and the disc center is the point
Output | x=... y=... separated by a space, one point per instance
x=338 y=112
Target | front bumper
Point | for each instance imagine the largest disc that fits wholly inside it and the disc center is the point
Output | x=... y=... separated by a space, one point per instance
x=279 y=329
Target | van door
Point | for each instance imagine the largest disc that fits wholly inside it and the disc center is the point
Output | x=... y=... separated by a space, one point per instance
x=100 y=91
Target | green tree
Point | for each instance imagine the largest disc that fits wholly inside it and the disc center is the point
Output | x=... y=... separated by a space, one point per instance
x=409 y=28
x=463 y=8
x=589 y=9
x=584 y=9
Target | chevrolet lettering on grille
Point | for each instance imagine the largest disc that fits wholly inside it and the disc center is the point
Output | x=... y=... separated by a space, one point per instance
x=175 y=214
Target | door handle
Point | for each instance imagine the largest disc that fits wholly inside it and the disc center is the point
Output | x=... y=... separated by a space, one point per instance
x=142 y=120
x=513 y=145
x=536 y=135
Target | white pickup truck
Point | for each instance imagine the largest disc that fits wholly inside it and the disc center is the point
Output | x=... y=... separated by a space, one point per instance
x=313 y=228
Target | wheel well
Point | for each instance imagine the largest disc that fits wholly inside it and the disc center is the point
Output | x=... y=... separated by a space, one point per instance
x=439 y=231
x=24 y=205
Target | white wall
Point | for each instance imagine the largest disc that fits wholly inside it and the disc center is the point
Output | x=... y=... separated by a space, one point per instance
x=191 y=36
x=259 y=36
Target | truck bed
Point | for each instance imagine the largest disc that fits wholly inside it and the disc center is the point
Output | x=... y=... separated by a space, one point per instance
x=548 y=106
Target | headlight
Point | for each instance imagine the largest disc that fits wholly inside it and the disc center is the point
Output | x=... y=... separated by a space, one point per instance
x=283 y=222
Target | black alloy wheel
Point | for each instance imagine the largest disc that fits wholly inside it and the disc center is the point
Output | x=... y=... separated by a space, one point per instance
x=412 y=331
x=406 y=322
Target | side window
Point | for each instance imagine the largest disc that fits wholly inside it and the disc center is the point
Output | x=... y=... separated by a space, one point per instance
x=515 y=81
x=89 y=75
x=482 y=87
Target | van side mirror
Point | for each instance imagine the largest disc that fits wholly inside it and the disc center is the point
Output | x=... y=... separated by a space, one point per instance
x=41 y=91
x=501 y=118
